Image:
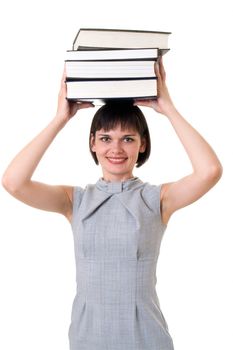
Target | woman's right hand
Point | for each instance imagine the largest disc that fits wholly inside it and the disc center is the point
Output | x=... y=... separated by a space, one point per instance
x=67 y=109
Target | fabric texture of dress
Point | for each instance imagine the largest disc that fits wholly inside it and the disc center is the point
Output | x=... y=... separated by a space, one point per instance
x=117 y=230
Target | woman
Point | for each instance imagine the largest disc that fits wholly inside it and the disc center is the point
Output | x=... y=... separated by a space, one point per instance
x=118 y=223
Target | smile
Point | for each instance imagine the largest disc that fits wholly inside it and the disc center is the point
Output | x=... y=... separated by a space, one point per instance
x=116 y=160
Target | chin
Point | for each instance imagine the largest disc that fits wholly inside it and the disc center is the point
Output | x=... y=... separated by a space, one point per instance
x=116 y=168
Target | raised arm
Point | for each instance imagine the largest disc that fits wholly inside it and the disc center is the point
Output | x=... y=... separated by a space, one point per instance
x=17 y=177
x=207 y=169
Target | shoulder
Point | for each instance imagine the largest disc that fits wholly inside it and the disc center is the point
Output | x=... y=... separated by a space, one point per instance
x=152 y=190
x=77 y=193
x=151 y=195
x=74 y=193
x=156 y=196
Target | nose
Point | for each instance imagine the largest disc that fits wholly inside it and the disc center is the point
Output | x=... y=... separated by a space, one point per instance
x=116 y=147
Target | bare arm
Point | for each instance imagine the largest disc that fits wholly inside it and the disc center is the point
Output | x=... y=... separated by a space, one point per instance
x=207 y=169
x=17 y=177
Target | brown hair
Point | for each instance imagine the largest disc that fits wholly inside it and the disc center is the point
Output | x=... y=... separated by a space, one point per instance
x=127 y=115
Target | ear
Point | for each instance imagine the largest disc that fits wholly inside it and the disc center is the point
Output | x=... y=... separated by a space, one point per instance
x=92 y=141
x=143 y=145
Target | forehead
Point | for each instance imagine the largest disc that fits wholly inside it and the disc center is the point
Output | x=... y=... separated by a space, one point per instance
x=119 y=129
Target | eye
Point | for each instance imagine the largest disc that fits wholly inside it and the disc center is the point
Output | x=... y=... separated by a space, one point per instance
x=104 y=138
x=128 y=139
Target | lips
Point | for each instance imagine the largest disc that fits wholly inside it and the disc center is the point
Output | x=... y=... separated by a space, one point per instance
x=116 y=160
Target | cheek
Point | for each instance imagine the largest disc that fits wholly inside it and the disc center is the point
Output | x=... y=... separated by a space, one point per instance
x=101 y=149
x=134 y=148
x=133 y=153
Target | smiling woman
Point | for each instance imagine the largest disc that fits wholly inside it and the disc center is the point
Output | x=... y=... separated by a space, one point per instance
x=126 y=115
x=118 y=223
x=119 y=135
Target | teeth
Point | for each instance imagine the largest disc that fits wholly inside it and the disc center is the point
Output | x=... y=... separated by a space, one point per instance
x=116 y=160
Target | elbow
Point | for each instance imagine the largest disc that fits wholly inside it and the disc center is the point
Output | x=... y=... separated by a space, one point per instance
x=215 y=173
x=8 y=184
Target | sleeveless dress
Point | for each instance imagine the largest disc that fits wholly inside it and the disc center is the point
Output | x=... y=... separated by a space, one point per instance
x=117 y=231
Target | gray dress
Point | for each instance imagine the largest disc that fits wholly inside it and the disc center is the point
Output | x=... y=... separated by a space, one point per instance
x=117 y=232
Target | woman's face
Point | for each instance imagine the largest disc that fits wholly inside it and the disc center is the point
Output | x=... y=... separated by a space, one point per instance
x=117 y=152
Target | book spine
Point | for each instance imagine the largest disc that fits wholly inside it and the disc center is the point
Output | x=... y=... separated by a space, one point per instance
x=114 y=60
x=100 y=101
x=69 y=79
x=123 y=30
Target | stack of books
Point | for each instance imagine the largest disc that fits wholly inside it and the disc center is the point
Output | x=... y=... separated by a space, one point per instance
x=112 y=64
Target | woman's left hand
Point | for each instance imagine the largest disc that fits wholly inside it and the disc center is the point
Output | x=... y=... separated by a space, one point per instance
x=163 y=103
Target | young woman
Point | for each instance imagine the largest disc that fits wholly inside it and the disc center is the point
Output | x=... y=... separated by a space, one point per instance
x=118 y=222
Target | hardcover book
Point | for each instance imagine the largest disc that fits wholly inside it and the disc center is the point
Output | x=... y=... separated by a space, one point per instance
x=120 y=38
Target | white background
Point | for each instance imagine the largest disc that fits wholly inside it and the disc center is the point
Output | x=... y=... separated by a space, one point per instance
x=37 y=267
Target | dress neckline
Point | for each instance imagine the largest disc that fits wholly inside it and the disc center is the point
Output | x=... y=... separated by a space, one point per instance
x=117 y=186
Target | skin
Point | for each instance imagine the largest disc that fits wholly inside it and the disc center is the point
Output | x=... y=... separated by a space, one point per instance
x=114 y=146
x=206 y=167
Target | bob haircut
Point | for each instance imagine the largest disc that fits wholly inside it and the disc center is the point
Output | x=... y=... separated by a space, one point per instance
x=128 y=116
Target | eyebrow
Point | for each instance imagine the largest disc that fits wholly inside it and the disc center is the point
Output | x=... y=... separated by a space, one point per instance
x=123 y=135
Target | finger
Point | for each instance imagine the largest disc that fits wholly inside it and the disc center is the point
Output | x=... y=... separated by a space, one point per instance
x=63 y=79
x=139 y=102
x=85 y=105
x=145 y=103
x=156 y=69
x=161 y=68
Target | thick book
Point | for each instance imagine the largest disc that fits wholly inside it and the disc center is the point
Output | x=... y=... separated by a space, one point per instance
x=109 y=69
x=112 y=54
x=120 y=38
x=103 y=90
x=161 y=52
